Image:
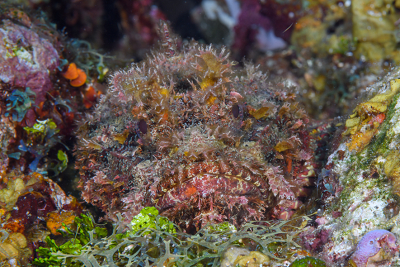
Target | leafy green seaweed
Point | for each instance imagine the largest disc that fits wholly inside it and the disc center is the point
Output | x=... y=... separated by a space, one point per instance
x=155 y=241
x=308 y=262
x=86 y=230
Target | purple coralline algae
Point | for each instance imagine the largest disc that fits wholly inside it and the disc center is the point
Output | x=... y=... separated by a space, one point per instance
x=26 y=59
x=375 y=246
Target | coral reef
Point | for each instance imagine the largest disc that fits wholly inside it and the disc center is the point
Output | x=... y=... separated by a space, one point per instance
x=189 y=146
x=373 y=28
x=31 y=207
x=186 y=132
x=359 y=184
x=39 y=100
x=38 y=107
x=336 y=50
x=30 y=57
x=26 y=60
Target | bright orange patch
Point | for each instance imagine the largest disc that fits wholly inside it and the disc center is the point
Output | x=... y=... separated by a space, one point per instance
x=89 y=97
x=41 y=112
x=380 y=117
x=80 y=80
x=15 y=225
x=289 y=164
x=190 y=191
x=71 y=73
x=55 y=220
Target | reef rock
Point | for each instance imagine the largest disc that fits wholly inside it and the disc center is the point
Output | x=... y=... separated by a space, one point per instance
x=360 y=183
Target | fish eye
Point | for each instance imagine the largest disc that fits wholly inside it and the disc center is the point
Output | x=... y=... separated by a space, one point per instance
x=235 y=110
x=142 y=126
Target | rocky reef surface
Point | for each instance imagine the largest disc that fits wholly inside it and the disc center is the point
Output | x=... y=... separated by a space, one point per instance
x=360 y=183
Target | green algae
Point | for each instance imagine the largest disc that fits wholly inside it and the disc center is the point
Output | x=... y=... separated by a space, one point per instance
x=158 y=245
x=380 y=143
x=85 y=231
x=149 y=218
x=308 y=262
x=360 y=163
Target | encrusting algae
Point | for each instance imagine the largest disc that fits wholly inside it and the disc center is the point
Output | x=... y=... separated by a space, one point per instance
x=360 y=185
x=364 y=123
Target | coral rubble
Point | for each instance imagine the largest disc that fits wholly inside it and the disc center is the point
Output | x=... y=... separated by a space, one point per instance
x=187 y=132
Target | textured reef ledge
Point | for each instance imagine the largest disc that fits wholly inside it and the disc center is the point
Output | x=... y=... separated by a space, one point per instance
x=360 y=183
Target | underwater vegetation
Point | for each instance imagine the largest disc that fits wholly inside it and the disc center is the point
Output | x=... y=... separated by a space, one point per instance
x=154 y=241
x=203 y=142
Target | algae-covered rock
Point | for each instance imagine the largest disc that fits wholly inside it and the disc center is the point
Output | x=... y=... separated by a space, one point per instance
x=12 y=247
x=254 y=259
x=373 y=27
x=360 y=183
x=237 y=256
x=231 y=254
